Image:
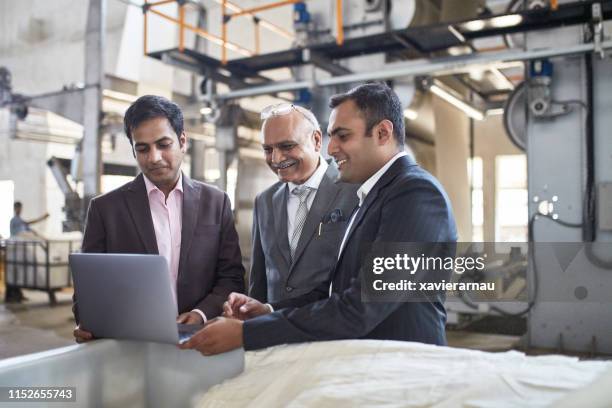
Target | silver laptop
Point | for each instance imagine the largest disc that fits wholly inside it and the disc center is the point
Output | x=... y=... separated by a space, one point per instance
x=127 y=296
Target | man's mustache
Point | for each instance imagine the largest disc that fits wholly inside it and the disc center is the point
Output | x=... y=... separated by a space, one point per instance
x=283 y=165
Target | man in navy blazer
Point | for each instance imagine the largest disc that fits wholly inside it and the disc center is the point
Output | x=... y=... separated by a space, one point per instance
x=398 y=202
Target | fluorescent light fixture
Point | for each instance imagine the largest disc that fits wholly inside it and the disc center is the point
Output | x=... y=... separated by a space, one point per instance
x=120 y=96
x=459 y=50
x=496 y=111
x=509 y=20
x=206 y=110
x=474 y=25
x=457 y=102
x=410 y=114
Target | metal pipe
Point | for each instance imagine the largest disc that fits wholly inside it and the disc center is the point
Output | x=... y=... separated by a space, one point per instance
x=257 y=39
x=264 y=7
x=339 y=23
x=92 y=101
x=265 y=89
x=445 y=65
x=181 y=28
x=146 y=29
x=224 y=32
x=452 y=64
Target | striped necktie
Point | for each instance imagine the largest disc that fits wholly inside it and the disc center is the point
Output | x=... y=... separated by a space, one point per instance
x=302 y=193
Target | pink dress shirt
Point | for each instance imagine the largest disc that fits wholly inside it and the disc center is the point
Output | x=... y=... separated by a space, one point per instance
x=167 y=215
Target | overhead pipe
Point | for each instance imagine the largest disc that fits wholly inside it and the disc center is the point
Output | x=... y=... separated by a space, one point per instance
x=443 y=65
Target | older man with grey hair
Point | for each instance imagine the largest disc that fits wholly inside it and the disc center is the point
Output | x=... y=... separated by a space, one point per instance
x=299 y=221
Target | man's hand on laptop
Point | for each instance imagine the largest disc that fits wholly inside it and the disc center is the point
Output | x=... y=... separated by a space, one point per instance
x=218 y=336
x=189 y=318
x=242 y=307
x=81 y=336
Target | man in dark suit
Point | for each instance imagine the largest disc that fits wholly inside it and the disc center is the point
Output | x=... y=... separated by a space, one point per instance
x=398 y=202
x=296 y=238
x=162 y=211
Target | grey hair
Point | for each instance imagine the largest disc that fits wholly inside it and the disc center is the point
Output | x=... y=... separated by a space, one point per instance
x=307 y=113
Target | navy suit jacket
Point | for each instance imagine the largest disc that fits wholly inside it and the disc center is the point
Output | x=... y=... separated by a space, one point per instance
x=407 y=204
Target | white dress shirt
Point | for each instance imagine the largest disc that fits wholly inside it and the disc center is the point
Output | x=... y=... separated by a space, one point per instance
x=365 y=189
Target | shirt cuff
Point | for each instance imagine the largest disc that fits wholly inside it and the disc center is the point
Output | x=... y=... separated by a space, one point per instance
x=270 y=307
x=202 y=315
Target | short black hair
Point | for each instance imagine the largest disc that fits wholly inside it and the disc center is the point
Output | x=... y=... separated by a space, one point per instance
x=17 y=204
x=151 y=107
x=377 y=102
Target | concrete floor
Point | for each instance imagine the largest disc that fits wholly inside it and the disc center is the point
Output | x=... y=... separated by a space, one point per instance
x=34 y=326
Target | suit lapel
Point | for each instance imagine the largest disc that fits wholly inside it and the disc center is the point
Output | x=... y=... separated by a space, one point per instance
x=279 y=208
x=399 y=166
x=191 y=200
x=371 y=197
x=138 y=206
x=324 y=198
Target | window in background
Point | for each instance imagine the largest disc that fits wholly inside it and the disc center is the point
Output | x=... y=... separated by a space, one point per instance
x=511 y=198
x=475 y=174
x=7 y=188
x=232 y=182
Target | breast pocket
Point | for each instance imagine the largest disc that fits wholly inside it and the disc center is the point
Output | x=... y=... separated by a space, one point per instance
x=333 y=230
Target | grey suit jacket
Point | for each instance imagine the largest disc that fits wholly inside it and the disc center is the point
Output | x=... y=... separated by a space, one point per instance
x=274 y=278
x=210 y=265
x=406 y=205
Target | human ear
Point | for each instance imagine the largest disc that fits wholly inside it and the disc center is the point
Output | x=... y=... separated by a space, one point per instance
x=384 y=132
x=183 y=142
x=318 y=140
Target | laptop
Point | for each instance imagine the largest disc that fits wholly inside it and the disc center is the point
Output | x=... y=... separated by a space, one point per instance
x=127 y=296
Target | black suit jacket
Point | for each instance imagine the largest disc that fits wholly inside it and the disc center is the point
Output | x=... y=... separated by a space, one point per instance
x=210 y=265
x=407 y=204
x=274 y=277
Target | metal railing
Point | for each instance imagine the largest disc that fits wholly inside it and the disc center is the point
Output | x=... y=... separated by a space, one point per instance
x=236 y=11
x=38 y=264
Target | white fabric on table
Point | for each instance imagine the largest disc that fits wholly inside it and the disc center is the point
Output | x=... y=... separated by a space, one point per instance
x=367 y=373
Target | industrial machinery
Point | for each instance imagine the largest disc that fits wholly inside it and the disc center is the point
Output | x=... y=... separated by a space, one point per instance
x=545 y=63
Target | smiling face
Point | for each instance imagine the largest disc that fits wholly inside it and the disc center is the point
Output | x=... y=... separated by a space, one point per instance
x=159 y=152
x=358 y=155
x=291 y=146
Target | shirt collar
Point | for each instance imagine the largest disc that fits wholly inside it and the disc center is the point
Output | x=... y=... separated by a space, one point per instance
x=314 y=180
x=152 y=187
x=367 y=186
